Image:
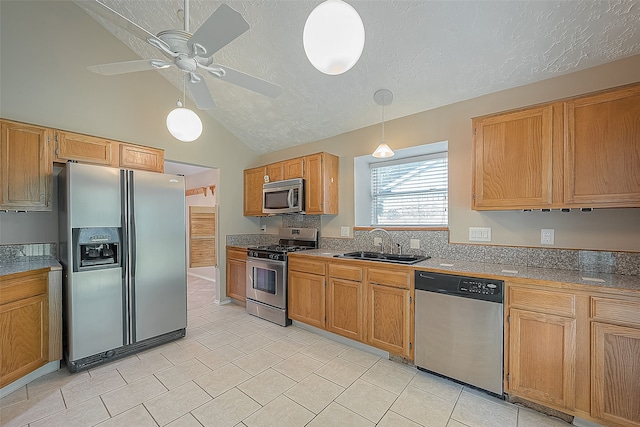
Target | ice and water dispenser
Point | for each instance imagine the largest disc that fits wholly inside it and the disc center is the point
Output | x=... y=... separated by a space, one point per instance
x=96 y=248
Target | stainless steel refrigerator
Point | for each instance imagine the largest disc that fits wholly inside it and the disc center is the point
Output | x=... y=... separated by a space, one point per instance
x=123 y=251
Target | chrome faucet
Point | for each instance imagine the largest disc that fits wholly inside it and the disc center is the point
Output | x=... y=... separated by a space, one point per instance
x=382 y=244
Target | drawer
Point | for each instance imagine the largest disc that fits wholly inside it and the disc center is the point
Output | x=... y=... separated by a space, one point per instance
x=389 y=277
x=615 y=310
x=25 y=286
x=306 y=265
x=345 y=272
x=236 y=253
x=543 y=301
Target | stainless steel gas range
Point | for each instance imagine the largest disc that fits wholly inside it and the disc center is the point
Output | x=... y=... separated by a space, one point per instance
x=267 y=273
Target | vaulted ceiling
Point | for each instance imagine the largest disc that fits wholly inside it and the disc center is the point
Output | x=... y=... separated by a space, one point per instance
x=428 y=53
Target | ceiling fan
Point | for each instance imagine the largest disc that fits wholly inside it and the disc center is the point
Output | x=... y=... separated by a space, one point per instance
x=191 y=53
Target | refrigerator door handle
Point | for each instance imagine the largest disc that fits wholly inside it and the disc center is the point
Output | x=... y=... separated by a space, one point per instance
x=124 y=256
x=132 y=259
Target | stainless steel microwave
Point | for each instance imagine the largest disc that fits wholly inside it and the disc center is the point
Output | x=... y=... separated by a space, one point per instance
x=281 y=197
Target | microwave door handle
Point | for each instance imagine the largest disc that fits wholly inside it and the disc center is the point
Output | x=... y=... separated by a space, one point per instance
x=290 y=198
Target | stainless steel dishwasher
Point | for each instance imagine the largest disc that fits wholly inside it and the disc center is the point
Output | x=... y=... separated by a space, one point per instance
x=459 y=328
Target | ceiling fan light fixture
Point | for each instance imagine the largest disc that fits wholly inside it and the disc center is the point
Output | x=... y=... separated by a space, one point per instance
x=333 y=37
x=184 y=124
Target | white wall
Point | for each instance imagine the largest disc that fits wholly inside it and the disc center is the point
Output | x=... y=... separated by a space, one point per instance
x=45 y=47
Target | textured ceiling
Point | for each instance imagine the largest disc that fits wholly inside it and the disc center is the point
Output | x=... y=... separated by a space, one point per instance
x=428 y=53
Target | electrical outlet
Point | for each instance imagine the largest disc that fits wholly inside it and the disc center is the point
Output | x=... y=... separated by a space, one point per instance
x=344 y=231
x=414 y=244
x=377 y=241
x=479 y=234
x=547 y=236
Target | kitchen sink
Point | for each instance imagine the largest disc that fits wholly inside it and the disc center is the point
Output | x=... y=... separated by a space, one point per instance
x=384 y=257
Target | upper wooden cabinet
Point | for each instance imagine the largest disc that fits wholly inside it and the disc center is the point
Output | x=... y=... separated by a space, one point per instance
x=84 y=148
x=579 y=152
x=101 y=151
x=253 y=181
x=293 y=168
x=321 y=183
x=602 y=149
x=275 y=172
x=141 y=158
x=320 y=172
x=513 y=159
x=26 y=168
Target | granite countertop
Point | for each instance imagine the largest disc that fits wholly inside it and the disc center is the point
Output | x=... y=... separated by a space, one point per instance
x=28 y=263
x=571 y=278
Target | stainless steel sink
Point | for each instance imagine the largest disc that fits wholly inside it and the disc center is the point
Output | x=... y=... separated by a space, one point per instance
x=384 y=257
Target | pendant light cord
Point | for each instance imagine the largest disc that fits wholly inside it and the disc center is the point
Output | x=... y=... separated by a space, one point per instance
x=383 y=123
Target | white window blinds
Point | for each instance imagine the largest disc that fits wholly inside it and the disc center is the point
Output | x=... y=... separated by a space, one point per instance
x=411 y=191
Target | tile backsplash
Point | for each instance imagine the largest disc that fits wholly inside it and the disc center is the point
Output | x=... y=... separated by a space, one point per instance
x=436 y=244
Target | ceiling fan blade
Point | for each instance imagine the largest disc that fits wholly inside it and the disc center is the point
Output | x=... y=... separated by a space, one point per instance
x=199 y=91
x=112 y=16
x=129 y=66
x=222 y=27
x=246 y=81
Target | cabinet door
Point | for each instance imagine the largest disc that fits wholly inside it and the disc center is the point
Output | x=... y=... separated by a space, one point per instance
x=306 y=297
x=275 y=172
x=314 y=191
x=615 y=374
x=24 y=337
x=602 y=159
x=26 y=167
x=293 y=168
x=345 y=301
x=253 y=181
x=389 y=319
x=236 y=279
x=542 y=357
x=84 y=148
x=141 y=158
x=512 y=165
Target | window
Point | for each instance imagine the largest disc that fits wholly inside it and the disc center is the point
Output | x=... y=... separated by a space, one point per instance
x=410 y=191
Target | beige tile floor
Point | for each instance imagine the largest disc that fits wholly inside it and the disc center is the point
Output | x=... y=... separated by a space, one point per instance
x=233 y=369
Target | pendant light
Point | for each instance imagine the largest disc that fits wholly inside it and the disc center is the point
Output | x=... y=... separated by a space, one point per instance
x=383 y=97
x=333 y=37
x=184 y=124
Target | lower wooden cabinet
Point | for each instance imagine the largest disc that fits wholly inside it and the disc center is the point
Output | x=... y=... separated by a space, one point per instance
x=345 y=301
x=615 y=361
x=372 y=305
x=542 y=356
x=389 y=319
x=237 y=273
x=306 y=296
x=24 y=325
x=575 y=351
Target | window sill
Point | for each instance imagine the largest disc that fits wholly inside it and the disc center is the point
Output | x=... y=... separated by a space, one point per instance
x=402 y=228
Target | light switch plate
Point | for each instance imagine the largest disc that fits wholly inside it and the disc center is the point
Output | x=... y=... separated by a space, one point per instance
x=479 y=234
x=414 y=244
x=344 y=231
x=377 y=241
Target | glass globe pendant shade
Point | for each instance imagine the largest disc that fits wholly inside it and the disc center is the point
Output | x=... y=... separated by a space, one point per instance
x=184 y=124
x=333 y=37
